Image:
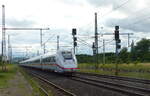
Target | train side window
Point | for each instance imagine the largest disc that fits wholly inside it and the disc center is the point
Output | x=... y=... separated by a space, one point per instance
x=36 y=61
x=46 y=59
x=52 y=59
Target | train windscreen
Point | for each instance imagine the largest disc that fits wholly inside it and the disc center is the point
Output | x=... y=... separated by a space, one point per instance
x=67 y=55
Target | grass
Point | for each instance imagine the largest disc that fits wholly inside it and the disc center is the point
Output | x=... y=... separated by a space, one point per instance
x=141 y=66
x=10 y=73
x=5 y=76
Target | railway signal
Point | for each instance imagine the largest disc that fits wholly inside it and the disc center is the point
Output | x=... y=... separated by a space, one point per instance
x=118 y=46
x=116 y=32
x=74 y=33
x=94 y=48
x=118 y=41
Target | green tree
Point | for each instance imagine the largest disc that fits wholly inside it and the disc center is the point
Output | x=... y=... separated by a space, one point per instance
x=124 y=55
x=142 y=50
x=133 y=55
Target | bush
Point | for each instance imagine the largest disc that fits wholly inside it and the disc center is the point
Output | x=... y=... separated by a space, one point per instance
x=135 y=62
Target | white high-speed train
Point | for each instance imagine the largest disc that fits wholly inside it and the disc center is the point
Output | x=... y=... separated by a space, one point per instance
x=61 y=61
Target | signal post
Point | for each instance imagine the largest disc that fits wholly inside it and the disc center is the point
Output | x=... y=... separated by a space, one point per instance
x=118 y=46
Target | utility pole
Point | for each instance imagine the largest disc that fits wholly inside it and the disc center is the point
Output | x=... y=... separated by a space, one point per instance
x=9 y=50
x=44 y=45
x=41 y=29
x=57 y=42
x=3 y=40
x=128 y=40
x=41 y=39
x=32 y=29
x=96 y=41
x=103 y=51
x=42 y=51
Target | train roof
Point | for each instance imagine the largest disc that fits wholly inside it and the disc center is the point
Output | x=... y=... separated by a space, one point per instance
x=38 y=57
x=43 y=56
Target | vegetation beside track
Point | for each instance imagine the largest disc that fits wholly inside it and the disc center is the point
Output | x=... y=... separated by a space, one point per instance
x=7 y=75
x=131 y=63
x=134 y=71
x=36 y=90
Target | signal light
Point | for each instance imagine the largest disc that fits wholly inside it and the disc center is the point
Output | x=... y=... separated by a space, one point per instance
x=75 y=38
x=118 y=41
x=116 y=32
x=118 y=46
x=94 y=49
x=75 y=43
x=74 y=31
x=116 y=27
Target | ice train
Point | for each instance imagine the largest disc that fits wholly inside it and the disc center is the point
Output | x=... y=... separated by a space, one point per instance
x=61 y=62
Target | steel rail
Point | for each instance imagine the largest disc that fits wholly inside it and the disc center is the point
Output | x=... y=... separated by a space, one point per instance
x=42 y=89
x=144 y=81
x=52 y=84
x=113 y=86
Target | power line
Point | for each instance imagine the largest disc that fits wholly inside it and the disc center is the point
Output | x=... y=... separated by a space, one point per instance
x=82 y=41
x=121 y=5
x=48 y=39
x=106 y=43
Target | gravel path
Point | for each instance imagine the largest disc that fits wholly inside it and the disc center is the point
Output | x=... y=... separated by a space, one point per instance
x=18 y=86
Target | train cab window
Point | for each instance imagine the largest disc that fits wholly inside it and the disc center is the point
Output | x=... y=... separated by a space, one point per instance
x=67 y=55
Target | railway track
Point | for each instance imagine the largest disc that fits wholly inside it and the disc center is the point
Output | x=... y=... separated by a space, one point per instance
x=83 y=81
x=117 y=77
x=123 y=88
x=58 y=88
x=45 y=93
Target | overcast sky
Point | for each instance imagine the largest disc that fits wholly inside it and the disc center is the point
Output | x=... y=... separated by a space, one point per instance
x=62 y=15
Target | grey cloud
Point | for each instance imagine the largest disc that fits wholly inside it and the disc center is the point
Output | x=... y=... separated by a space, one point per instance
x=19 y=23
x=99 y=3
x=71 y=2
x=137 y=21
x=126 y=6
x=133 y=24
x=27 y=37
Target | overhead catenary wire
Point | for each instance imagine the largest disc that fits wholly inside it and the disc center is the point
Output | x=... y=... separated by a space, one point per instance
x=48 y=39
x=85 y=42
x=114 y=9
x=106 y=43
